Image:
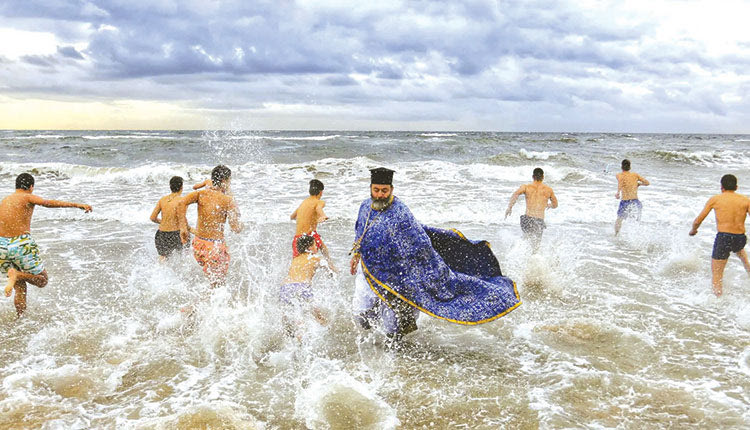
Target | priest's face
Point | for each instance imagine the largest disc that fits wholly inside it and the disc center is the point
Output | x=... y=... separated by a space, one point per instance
x=380 y=192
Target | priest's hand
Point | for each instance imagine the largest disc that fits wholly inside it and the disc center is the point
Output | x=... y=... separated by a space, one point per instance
x=353 y=264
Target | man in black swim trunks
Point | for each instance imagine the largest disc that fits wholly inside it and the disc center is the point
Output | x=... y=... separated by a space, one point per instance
x=167 y=238
x=538 y=198
x=731 y=209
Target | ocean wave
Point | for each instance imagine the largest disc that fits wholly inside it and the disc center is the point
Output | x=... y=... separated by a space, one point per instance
x=281 y=138
x=150 y=173
x=701 y=158
x=524 y=155
x=34 y=137
x=438 y=134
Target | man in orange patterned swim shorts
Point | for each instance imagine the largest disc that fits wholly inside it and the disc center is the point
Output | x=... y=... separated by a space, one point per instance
x=215 y=208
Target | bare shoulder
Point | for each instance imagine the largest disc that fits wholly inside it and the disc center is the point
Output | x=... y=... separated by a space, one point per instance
x=31 y=199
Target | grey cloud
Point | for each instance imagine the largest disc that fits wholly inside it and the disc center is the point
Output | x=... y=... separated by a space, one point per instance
x=69 y=52
x=339 y=81
x=39 y=60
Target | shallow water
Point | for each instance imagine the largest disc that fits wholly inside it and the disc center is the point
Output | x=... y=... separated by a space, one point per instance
x=613 y=332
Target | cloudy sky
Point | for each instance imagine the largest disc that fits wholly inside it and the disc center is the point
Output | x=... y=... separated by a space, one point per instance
x=633 y=66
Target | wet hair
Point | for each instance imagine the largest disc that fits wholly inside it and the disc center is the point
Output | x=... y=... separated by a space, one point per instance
x=304 y=243
x=729 y=182
x=175 y=184
x=316 y=187
x=24 y=181
x=626 y=164
x=220 y=174
x=538 y=174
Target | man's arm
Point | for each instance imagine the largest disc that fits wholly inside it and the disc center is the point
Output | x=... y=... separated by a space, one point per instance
x=319 y=211
x=234 y=218
x=182 y=211
x=553 y=200
x=701 y=216
x=206 y=183
x=293 y=216
x=642 y=181
x=36 y=200
x=513 y=199
x=155 y=214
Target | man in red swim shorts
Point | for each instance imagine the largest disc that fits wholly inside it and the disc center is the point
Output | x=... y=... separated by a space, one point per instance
x=308 y=215
x=215 y=208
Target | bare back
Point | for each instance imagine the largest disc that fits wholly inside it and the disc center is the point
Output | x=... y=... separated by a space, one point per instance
x=537 y=196
x=15 y=214
x=308 y=214
x=303 y=268
x=170 y=216
x=213 y=209
x=628 y=183
x=730 y=209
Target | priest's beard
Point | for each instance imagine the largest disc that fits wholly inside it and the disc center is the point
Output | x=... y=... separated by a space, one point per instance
x=381 y=204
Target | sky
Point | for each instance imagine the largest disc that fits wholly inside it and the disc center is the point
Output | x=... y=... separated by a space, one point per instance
x=620 y=66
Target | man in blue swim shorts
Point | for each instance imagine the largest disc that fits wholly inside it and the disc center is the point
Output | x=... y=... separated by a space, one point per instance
x=539 y=197
x=19 y=254
x=731 y=209
x=627 y=187
x=296 y=291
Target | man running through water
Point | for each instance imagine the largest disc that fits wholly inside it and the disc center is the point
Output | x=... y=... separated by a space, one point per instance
x=731 y=209
x=539 y=197
x=19 y=254
x=167 y=239
x=214 y=209
x=627 y=187
x=308 y=215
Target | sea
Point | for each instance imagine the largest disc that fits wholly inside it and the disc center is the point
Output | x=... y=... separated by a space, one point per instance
x=614 y=331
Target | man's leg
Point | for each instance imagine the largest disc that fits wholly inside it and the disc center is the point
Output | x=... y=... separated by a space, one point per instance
x=743 y=256
x=15 y=275
x=717 y=272
x=20 y=280
x=20 y=300
x=618 y=225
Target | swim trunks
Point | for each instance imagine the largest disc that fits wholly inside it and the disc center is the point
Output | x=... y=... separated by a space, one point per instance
x=726 y=243
x=630 y=209
x=314 y=234
x=212 y=255
x=167 y=242
x=294 y=292
x=532 y=226
x=21 y=253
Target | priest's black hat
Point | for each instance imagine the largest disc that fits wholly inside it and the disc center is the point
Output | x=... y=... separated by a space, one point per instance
x=381 y=176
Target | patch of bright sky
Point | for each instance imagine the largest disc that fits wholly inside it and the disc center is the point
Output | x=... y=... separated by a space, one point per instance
x=718 y=26
x=17 y=43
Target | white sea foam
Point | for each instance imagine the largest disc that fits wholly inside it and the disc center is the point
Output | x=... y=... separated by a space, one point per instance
x=536 y=155
x=334 y=399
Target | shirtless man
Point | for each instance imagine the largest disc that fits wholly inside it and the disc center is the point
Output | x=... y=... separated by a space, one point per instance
x=19 y=254
x=297 y=287
x=627 y=187
x=167 y=237
x=538 y=198
x=215 y=207
x=730 y=209
x=308 y=215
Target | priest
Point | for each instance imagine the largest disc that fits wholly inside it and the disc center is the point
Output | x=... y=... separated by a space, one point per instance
x=404 y=268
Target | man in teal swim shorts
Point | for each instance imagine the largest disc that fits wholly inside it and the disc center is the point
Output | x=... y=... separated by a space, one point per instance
x=19 y=254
